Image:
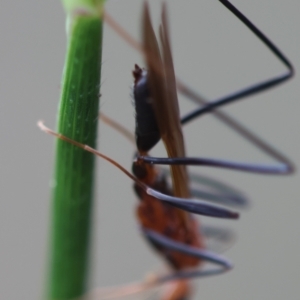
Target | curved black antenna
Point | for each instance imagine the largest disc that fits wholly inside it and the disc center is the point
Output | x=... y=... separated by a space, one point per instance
x=253 y=89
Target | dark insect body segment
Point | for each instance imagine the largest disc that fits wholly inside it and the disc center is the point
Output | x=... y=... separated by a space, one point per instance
x=146 y=129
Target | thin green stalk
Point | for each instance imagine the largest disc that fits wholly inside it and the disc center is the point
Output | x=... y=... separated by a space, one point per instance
x=74 y=169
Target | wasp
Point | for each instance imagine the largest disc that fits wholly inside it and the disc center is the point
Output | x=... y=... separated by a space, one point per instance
x=165 y=213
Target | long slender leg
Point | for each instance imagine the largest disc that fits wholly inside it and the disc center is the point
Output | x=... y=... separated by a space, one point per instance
x=255 y=88
x=227 y=199
x=225 y=164
x=204 y=187
x=240 y=129
x=217 y=239
x=161 y=240
x=194 y=206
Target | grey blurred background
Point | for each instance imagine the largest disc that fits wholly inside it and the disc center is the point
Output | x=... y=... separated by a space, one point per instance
x=214 y=54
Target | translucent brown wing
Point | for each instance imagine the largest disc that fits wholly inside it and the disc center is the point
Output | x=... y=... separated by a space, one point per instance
x=163 y=90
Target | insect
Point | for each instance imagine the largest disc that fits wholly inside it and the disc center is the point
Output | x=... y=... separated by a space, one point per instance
x=182 y=247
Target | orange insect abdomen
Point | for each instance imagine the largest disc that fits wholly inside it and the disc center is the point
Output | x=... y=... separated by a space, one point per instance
x=166 y=219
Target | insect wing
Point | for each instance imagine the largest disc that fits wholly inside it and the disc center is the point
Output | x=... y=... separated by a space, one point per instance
x=165 y=103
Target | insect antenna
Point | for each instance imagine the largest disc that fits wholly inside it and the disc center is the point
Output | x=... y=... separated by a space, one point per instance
x=192 y=205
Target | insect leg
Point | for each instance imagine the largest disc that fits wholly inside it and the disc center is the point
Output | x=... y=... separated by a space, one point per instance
x=218 y=163
x=225 y=198
x=194 y=206
x=241 y=130
x=255 y=88
x=217 y=238
x=204 y=187
x=161 y=240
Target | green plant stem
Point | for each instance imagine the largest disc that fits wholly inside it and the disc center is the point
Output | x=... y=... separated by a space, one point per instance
x=74 y=170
